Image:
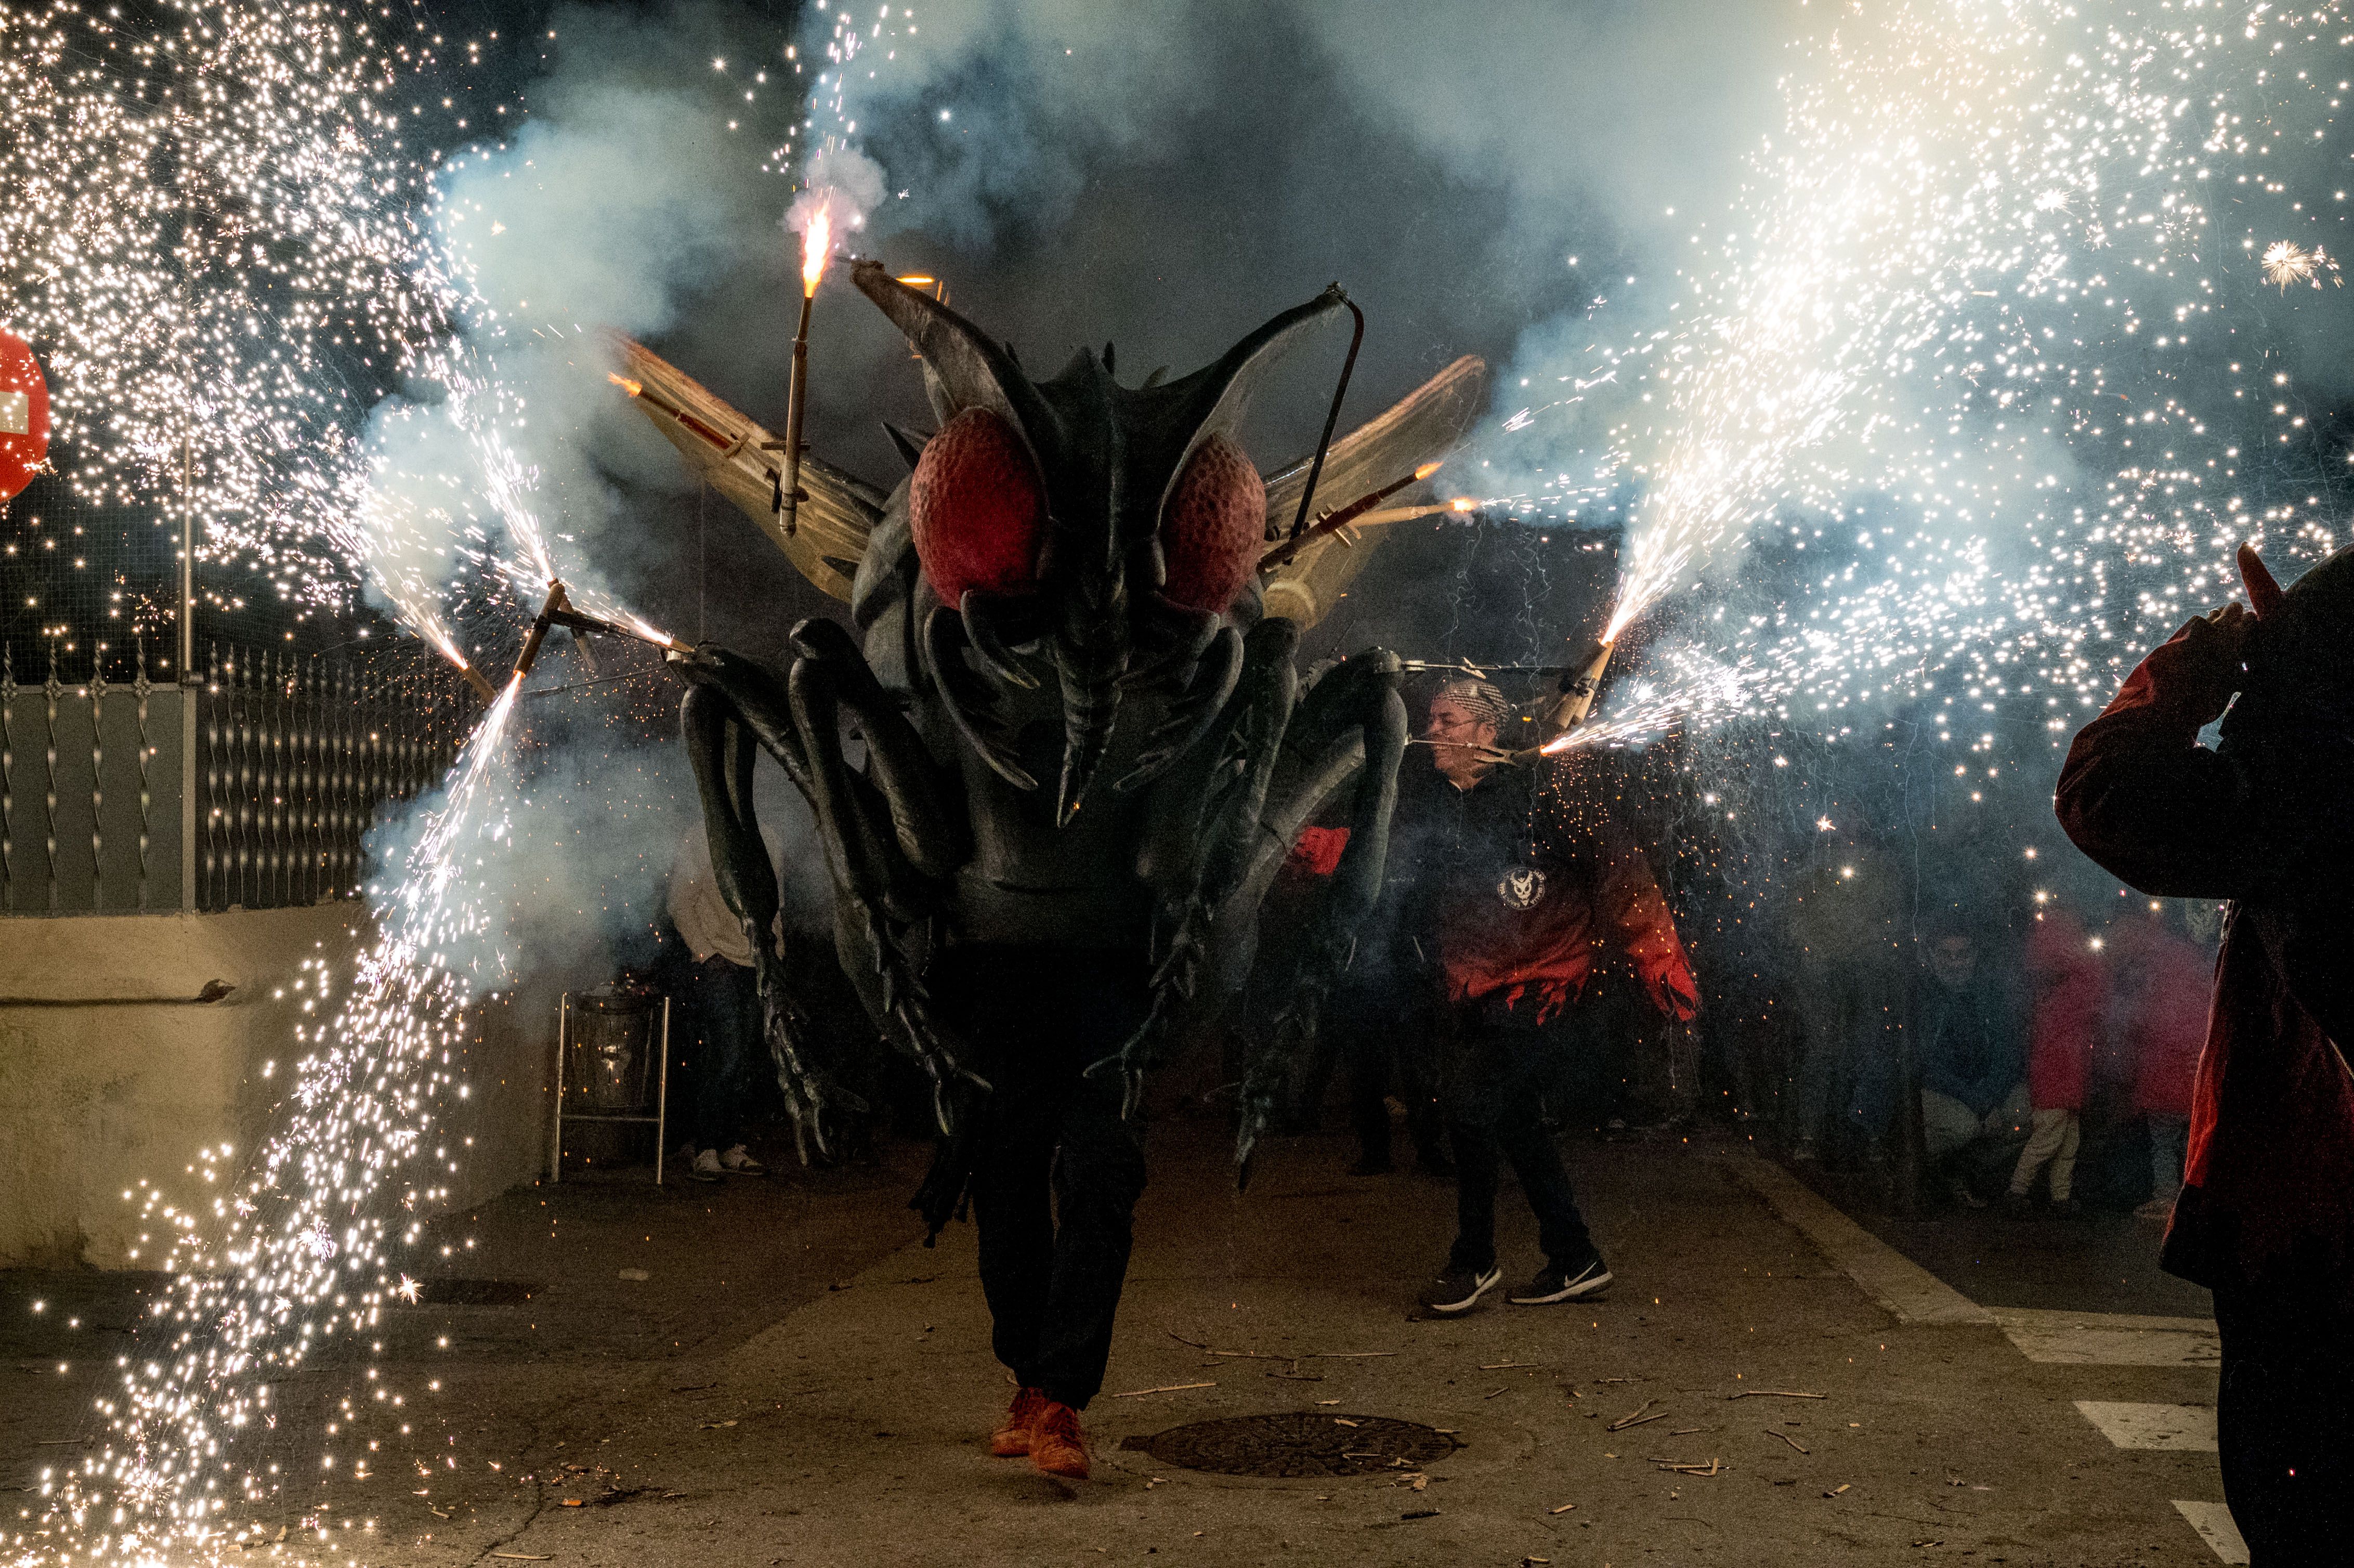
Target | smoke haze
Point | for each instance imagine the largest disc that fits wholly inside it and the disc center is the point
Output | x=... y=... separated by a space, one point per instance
x=1518 y=180
x=1078 y=173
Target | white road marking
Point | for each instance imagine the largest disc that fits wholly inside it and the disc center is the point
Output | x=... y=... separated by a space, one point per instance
x=2109 y=1338
x=1912 y=1295
x=2182 y=1428
x=2213 y=1522
x=1910 y=1292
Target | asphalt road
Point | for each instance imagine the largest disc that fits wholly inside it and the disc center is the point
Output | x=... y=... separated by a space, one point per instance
x=794 y=1380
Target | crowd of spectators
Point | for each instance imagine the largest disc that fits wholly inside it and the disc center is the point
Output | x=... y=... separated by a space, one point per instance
x=2033 y=1047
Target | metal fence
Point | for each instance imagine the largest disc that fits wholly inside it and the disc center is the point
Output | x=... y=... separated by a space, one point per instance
x=254 y=788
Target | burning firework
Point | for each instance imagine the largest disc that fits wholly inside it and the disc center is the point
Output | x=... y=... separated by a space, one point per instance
x=813 y=215
x=295 y=1252
x=1343 y=520
x=2286 y=262
x=161 y=183
x=817 y=243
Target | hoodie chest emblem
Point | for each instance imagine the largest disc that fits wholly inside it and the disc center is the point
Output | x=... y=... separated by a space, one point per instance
x=1521 y=887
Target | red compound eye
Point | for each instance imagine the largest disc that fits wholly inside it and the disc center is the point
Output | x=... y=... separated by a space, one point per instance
x=977 y=509
x=1213 y=528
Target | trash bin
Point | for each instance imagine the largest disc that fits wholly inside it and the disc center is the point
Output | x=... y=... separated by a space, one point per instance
x=612 y=1048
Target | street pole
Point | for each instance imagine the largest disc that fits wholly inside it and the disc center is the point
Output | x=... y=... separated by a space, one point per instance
x=188 y=686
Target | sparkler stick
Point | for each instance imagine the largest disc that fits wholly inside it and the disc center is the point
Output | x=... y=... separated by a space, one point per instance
x=1338 y=522
x=479 y=681
x=578 y=622
x=1409 y=514
x=538 y=632
x=654 y=395
x=421 y=619
x=558 y=611
x=789 y=487
x=1577 y=695
x=816 y=243
x=1464 y=667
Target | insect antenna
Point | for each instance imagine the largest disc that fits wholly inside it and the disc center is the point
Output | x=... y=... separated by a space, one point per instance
x=1332 y=417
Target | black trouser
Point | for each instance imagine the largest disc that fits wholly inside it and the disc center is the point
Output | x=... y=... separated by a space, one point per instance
x=725 y=1008
x=1056 y=1173
x=1494 y=1114
x=2284 y=1418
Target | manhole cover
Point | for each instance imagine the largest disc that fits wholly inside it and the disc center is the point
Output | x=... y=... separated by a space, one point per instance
x=1297 y=1444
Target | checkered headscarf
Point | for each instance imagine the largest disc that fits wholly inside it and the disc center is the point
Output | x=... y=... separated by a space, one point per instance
x=1482 y=700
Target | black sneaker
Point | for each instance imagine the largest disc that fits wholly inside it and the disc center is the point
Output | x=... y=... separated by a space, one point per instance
x=1460 y=1289
x=1553 y=1283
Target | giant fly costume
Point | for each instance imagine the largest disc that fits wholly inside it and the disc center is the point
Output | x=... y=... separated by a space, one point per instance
x=1084 y=749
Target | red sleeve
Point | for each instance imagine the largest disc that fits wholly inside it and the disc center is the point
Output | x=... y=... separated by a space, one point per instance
x=1318 y=853
x=1636 y=916
x=2141 y=797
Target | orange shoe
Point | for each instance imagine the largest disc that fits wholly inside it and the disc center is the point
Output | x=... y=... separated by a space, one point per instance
x=1011 y=1438
x=1059 y=1443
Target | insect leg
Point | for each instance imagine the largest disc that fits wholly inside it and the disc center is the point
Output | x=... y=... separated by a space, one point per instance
x=1344 y=745
x=721 y=724
x=889 y=909
x=1214 y=848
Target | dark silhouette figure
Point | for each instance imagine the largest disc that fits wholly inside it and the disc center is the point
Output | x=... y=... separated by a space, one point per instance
x=2266 y=1218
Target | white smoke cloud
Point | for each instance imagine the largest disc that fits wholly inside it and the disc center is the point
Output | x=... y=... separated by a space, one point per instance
x=842 y=178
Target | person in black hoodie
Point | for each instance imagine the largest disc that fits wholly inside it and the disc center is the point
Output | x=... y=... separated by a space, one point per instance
x=1516 y=922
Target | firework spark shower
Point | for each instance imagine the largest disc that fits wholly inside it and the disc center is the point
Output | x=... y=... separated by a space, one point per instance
x=295 y=1247
x=213 y=231
x=232 y=261
x=1981 y=337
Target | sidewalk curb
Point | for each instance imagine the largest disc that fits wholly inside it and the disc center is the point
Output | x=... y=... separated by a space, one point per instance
x=1909 y=1293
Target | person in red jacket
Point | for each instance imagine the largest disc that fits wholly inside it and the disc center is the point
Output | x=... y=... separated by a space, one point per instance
x=2071 y=994
x=2265 y=1219
x=1521 y=917
x=2160 y=1015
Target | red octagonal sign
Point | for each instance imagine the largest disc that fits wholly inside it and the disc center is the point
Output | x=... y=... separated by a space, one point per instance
x=24 y=415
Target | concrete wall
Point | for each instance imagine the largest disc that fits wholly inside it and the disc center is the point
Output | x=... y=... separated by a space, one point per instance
x=110 y=1071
